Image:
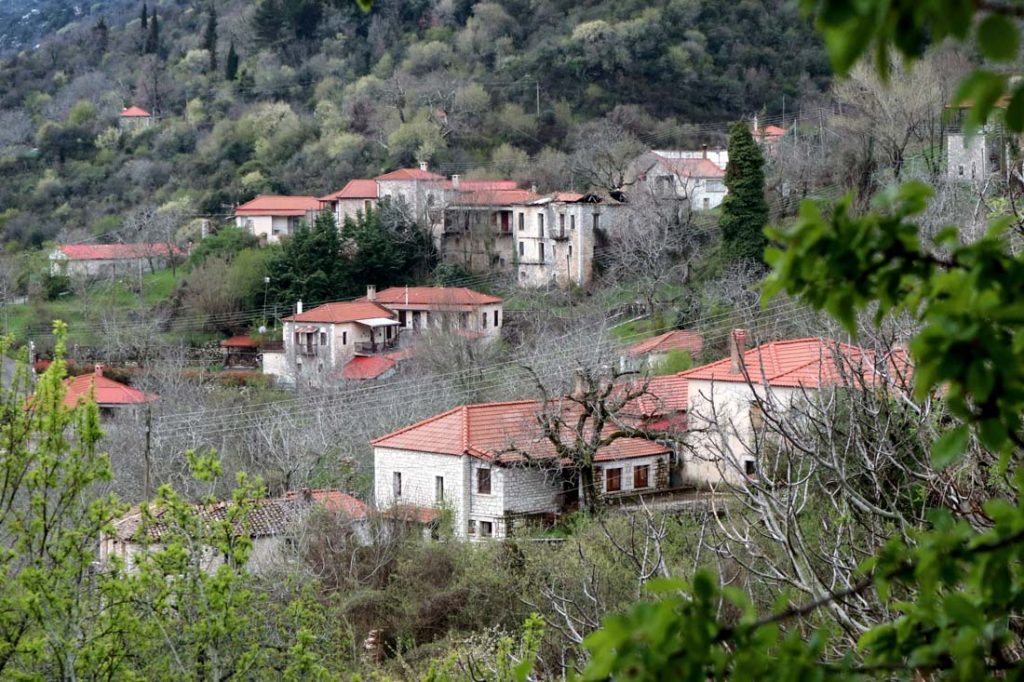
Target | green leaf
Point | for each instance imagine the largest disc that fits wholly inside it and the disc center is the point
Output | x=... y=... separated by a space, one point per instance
x=998 y=38
x=1015 y=110
x=948 y=449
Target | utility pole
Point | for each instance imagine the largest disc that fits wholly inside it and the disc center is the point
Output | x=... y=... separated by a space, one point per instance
x=149 y=437
x=536 y=84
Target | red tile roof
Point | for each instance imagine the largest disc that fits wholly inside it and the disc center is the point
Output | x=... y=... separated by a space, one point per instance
x=665 y=396
x=344 y=311
x=501 y=432
x=568 y=197
x=117 y=251
x=495 y=197
x=367 y=367
x=434 y=296
x=354 y=189
x=484 y=185
x=410 y=174
x=411 y=513
x=267 y=517
x=693 y=168
x=807 y=363
x=106 y=391
x=134 y=112
x=770 y=131
x=270 y=204
x=677 y=339
x=239 y=342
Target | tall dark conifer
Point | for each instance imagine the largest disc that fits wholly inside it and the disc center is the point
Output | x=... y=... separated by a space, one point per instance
x=744 y=209
x=210 y=36
x=144 y=17
x=231 y=63
x=153 y=37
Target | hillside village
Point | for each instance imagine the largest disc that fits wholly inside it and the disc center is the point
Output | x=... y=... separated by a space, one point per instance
x=499 y=341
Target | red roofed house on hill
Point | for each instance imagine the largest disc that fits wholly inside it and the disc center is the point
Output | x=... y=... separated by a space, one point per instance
x=694 y=177
x=134 y=117
x=111 y=260
x=451 y=308
x=491 y=465
x=318 y=343
x=728 y=400
x=271 y=522
x=110 y=395
x=654 y=350
x=270 y=217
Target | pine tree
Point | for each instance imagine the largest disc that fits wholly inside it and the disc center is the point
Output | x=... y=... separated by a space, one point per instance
x=744 y=209
x=210 y=36
x=144 y=18
x=231 y=63
x=101 y=34
x=153 y=37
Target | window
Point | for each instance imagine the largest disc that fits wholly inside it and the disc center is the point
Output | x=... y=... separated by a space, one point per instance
x=483 y=320
x=540 y=225
x=561 y=223
x=401 y=317
x=486 y=529
x=961 y=169
x=522 y=221
x=597 y=221
x=366 y=205
x=471 y=527
x=613 y=480
x=707 y=202
x=641 y=476
x=439 y=488
x=541 y=245
x=323 y=338
x=756 y=416
x=522 y=248
x=570 y=249
x=344 y=338
x=483 y=481
x=396 y=483
x=572 y=222
x=748 y=467
x=495 y=318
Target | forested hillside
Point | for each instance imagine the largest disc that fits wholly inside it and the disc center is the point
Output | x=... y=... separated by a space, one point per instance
x=299 y=97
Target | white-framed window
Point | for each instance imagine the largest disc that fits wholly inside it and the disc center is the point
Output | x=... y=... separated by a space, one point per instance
x=396 y=483
x=439 y=488
x=486 y=529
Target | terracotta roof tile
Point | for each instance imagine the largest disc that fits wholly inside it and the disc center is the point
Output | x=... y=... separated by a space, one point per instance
x=501 y=432
x=677 y=339
x=434 y=296
x=367 y=367
x=268 y=516
x=486 y=185
x=134 y=112
x=117 y=251
x=354 y=189
x=693 y=168
x=270 y=204
x=239 y=342
x=410 y=174
x=344 y=311
x=106 y=391
x=807 y=363
x=495 y=197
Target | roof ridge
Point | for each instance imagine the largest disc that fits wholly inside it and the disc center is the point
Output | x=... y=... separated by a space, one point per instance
x=465 y=429
x=422 y=422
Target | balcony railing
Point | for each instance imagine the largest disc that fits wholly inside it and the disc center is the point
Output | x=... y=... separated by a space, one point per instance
x=371 y=347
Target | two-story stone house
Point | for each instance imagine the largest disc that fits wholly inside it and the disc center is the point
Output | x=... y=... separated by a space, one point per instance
x=319 y=343
x=491 y=466
x=442 y=308
x=696 y=179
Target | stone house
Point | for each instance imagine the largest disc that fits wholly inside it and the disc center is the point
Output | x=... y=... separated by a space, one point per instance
x=272 y=525
x=556 y=237
x=475 y=229
x=319 y=343
x=357 y=196
x=696 y=179
x=271 y=217
x=492 y=468
x=134 y=117
x=442 y=308
x=727 y=401
x=95 y=261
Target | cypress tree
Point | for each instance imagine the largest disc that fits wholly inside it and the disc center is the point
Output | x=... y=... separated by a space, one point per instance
x=102 y=36
x=210 y=36
x=231 y=63
x=144 y=18
x=153 y=37
x=744 y=209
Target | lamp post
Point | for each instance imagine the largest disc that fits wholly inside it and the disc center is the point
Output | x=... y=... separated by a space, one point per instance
x=266 y=287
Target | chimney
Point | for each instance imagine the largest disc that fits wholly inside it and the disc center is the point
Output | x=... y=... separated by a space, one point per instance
x=298 y=307
x=737 y=347
x=533 y=188
x=456 y=182
x=423 y=165
x=705 y=150
x=579 y=384
x=371 y=292
x=407 y=294
x=755 y=125
x=98 y=369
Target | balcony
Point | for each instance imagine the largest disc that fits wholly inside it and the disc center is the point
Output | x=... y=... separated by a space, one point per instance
x=559 y=235
x=374 y=347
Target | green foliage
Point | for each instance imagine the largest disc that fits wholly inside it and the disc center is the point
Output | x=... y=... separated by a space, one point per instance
x=226 y=242
x=210 y=35
x=744 y=208
x=675 y=361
